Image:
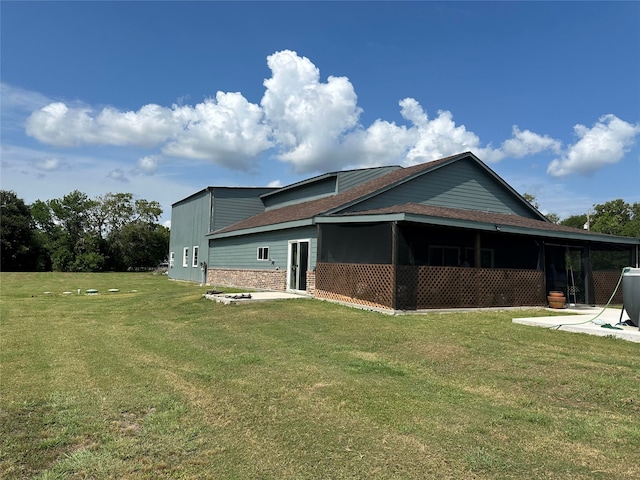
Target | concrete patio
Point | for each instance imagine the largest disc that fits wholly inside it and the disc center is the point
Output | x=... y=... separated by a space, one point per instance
x=589 y=320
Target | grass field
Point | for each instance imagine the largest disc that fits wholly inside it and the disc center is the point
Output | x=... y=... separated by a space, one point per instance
x=154 y=381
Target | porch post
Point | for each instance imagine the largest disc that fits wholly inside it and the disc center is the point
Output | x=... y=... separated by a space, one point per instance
x=318 y=244
x=394 y=265
x=478 y=246
x=589 y=286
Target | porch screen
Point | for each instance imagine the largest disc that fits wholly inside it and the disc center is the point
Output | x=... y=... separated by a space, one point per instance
x=361 y=243
x=611 y=257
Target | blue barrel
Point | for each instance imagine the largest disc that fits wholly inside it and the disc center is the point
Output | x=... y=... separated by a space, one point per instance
x=631 y=293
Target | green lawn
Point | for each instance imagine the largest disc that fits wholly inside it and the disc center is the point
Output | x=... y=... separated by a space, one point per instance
x=154 y=381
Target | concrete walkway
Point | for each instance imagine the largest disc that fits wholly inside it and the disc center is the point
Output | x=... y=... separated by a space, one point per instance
x=589 y=320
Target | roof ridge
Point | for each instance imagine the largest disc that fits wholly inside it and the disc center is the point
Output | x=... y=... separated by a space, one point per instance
x=334 y=203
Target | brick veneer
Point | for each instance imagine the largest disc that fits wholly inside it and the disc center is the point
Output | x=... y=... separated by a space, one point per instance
x=311 y=282
x=258 y=279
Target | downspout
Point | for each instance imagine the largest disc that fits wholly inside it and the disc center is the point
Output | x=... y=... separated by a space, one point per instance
x=210 y=211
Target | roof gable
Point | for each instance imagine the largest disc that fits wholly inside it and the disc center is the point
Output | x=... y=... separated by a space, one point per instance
x=325 y=185
x=335 y=203
x=465 y=184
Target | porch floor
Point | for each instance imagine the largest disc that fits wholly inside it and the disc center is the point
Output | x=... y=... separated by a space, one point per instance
x=590 y=320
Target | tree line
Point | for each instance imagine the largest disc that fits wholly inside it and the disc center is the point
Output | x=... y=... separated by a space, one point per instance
x=615 y=217
x=114 y=232
x=75 y=233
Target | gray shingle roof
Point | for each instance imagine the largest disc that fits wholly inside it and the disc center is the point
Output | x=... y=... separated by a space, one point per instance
x=312 y=208
x=470 y=216
x=332 y=206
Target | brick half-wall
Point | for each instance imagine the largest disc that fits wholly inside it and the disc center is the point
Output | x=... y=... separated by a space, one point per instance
x=311 y=282
x=255 y=279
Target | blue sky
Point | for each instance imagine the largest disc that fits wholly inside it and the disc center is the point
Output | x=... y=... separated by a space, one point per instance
x=161 y=99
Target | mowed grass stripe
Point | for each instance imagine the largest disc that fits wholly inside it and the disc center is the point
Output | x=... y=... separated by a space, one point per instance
x=161 y=383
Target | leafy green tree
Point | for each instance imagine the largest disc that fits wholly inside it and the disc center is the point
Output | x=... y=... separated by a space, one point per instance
x=575 y=221
x=72 y=212
x=47 y=234
x=73 y=243
x=134 y=238
x=18 y=247
x=529 y=197
x=142 y=244
x=616 y=217
x=553 y=217
x=111 y=212
x=76 y=233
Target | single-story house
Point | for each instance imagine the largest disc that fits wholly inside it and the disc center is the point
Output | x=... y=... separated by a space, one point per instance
x=443 y=234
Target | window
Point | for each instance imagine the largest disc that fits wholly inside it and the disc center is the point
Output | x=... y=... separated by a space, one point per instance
x=195 y=256
x=172 y=259
x=486 y=257
x=263 y=253
x=185 y=257
x=444 y=256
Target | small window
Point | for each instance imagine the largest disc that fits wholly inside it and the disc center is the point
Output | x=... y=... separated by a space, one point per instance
x=195 y=256
x=185 y=257
x=263 y=253
x=172 y=259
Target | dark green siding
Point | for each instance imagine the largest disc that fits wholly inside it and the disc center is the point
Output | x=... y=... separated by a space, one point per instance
x=189 y=225
x=352 y=178
x=324 y=186
x=463 y=184
x=241 y=252
x=307 y=191
x=230 y=205
x=196 y=216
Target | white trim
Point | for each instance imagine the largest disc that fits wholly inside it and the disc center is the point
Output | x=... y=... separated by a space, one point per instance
x=185 y=257
x=194 y=259
x=289 y=265
x=263 y=257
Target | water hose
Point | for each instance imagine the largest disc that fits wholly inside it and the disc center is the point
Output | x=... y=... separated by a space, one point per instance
x=592 y=320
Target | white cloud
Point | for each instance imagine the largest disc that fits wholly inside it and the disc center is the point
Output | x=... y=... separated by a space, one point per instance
x=63 y=126
x=605 y=143
x=526 y=142
x=118 y=175
x=48 y=164
x=308 y=118
x=274 y=184
x=436 y=138
x=228 y=131
x=310 y=124
x=16 y=98
x=382 y=143
x=148 y=165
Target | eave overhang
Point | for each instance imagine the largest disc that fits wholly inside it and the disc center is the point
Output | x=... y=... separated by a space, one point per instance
x=265 y=228
x=475 y=225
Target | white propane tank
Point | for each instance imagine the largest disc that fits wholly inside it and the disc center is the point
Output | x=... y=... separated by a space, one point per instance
x=631 y=293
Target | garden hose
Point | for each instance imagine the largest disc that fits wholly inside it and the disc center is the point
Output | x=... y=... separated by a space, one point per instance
x=592 y=320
